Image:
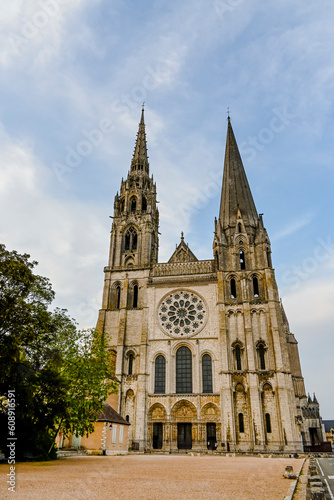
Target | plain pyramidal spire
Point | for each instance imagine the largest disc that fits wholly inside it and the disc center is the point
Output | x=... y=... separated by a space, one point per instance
x=140 y=159
x=236 y=195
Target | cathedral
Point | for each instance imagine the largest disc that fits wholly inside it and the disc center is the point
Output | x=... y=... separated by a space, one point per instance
x=202 y=349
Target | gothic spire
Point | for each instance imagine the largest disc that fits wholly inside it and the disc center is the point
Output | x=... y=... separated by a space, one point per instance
x=236 y=194
x=139 y=161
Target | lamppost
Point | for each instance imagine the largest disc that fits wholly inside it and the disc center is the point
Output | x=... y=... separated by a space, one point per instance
x=104 y=438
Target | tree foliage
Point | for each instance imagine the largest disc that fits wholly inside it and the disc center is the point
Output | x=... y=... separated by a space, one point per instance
x=60 y=375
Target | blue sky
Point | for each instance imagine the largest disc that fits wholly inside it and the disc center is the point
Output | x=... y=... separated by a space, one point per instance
x=73 y=78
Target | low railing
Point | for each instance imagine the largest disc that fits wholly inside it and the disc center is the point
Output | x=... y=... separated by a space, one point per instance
x=183 y=268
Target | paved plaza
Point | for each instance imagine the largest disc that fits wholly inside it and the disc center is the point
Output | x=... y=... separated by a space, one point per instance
x=153 y=477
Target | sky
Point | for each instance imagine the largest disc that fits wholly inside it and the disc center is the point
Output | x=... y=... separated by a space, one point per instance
x=73 y=77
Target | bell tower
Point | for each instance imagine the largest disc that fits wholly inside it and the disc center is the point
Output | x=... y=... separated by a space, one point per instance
x=134 y=234
x=241 y=242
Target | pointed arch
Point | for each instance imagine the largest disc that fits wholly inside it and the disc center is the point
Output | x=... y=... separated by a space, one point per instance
x=115 y=295
x=242 y=260
x=184 y=371
x=133 y=204
x=256 y=291
x=233 y=288
x=133 y=295
x=160 y=375
x=261 y=351
x=131 y=239
x=207 y=386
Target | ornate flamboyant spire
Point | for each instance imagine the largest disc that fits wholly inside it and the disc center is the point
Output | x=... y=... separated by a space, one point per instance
x=236 y=196
x=139 y=161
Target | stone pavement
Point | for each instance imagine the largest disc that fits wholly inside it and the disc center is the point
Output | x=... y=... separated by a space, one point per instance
x=152 y=477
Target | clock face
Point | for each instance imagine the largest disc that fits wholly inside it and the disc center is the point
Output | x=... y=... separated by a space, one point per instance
x=182 y=313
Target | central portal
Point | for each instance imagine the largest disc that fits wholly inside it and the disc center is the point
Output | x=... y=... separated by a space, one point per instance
x=184 y=439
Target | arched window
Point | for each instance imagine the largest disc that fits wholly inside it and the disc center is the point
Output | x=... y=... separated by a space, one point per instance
x=262 y=360
x=160 y=375
x=135 y=297
x=233 y=289
x=184 y=383
x=121 y=205
x=255 y=287
x=238 y=357
x=207 y=373
x=241 y=422
x=118 y=297
x=130 y=242
x=268 y=423
x=239 y=228
x=127 y=418
x=242 y=260
x=143 y=204
x=131 y=358
x=133 y=204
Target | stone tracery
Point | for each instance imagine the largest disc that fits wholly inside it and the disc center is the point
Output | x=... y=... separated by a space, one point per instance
x=182 y=313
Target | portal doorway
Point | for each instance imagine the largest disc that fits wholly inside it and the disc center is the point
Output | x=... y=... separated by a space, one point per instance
x=157 y=435
x=184 y=438
x=211 y=435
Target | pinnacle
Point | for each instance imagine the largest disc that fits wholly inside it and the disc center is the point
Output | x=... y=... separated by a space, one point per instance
x=236 y=193
x=139 y=161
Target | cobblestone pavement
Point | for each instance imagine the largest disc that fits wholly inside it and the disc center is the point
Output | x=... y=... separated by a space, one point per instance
x=151 y=477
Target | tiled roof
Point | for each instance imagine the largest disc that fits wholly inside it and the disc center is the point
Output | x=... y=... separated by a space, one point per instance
x=108 y=414
x=329 y=424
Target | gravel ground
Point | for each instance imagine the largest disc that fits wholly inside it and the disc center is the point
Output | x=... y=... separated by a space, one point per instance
x=153 y=477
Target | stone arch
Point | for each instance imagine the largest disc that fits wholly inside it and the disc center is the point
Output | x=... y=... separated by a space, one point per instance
x=129 y=410
x=183 y=411
x=241 y=411
x=239 y=387
x=133 y=293
x=157 y=412
x=184 y=343
x=210 y=412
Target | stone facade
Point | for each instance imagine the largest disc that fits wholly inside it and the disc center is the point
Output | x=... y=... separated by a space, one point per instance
x=202 y=348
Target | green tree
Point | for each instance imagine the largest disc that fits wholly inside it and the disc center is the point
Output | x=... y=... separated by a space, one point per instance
x=60 y=375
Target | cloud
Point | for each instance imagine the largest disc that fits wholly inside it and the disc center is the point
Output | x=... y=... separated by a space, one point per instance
x=67 y=237
x=310 y=314
x=294 y=226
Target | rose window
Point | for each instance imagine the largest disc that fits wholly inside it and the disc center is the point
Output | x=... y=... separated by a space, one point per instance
x=182 y=313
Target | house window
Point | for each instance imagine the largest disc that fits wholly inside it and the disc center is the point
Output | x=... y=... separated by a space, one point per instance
x=114 y=433
x=120 y=437
x=233 y=289
x=255 y=287
x=184 y=371
x=160 y=375
x=131 y=358
x=238 y=357
x=207 y=373
x=130 y=242
x=242 y=260
x=241 y=422
x=268 y=423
